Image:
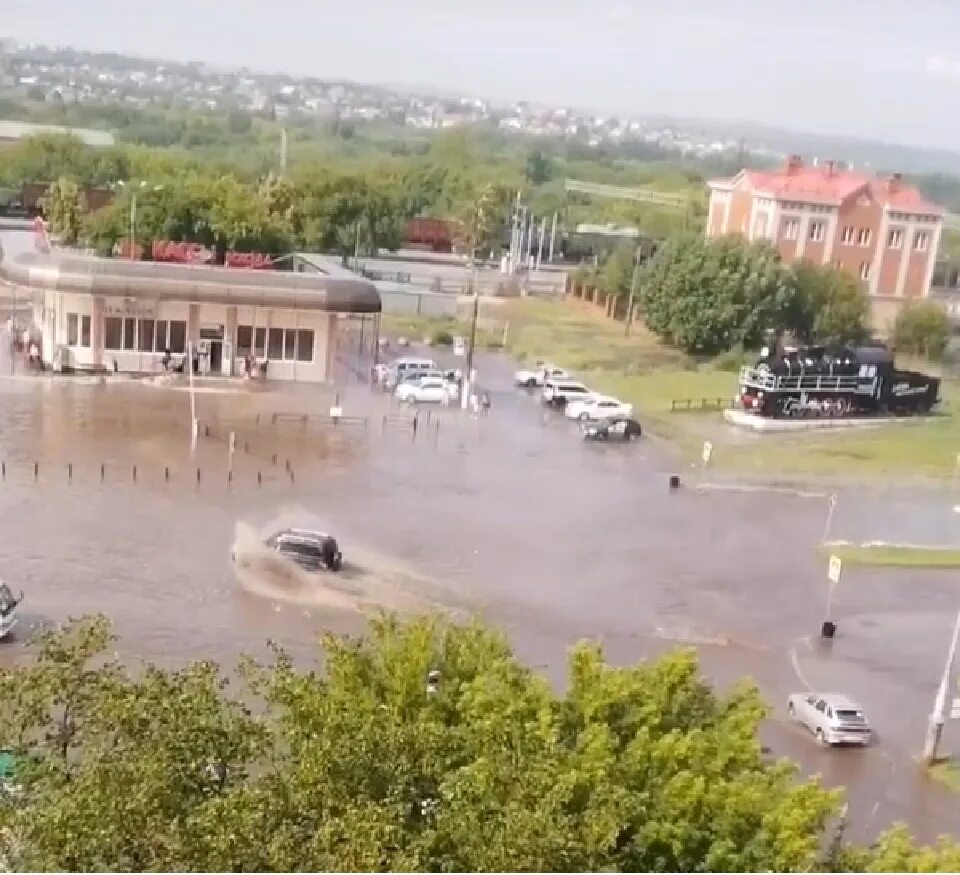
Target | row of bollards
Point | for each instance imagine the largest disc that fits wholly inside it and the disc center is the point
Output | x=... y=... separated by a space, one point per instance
x=135 y=470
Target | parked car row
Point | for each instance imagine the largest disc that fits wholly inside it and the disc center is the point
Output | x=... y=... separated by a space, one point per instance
x=418 y=381
x=601 y=417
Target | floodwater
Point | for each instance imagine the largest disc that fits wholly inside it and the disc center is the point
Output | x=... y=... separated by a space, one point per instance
x=510 y=516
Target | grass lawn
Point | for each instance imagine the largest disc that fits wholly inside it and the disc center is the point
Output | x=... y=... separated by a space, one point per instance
x=948 y=773
x=576 y=335
x=893 y=555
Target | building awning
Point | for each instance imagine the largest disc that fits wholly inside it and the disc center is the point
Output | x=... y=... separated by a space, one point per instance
x=195 y=284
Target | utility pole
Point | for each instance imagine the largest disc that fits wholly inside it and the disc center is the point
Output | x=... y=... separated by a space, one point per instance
x=553 y=237
x=938 y=716
x=133 y=224
x=633 y=291
x=543 y=231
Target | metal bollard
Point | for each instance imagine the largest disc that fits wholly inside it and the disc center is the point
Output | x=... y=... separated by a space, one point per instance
x=436 y=430
x=273 y=460
x=383 y=422
x=415 y=422
x=674 y=482
x=259 y=478
x=198 y=475
x=103 y=471
x=3 y=466
x=134 y=473
x=206 y=431
x=36 y=470
x=290 y=472
x=286 y=465
x=230 y=476
x=69 y=470
x=166 y=473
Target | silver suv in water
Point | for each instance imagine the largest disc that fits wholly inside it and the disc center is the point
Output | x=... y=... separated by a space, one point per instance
x=832 y=717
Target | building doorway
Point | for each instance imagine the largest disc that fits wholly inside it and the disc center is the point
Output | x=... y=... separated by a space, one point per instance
x=211 y=348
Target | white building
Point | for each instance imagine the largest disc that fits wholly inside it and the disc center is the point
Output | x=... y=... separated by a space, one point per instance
x=100 y=314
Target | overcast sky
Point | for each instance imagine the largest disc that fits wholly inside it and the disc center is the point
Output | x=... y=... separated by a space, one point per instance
x=874 y=68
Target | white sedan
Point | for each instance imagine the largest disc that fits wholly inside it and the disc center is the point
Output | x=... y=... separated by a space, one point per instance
x=434 y=390
x=539 y=375
x=597 y=407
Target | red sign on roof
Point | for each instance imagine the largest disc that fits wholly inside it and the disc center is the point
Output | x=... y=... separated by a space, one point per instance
x=181 y=253
x=249 y=260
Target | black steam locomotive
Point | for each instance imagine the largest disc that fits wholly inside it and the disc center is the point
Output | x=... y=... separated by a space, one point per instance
x=834 y=381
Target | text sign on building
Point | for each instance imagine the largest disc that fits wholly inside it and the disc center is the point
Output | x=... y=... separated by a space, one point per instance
x=250 y=260
x=129 y=307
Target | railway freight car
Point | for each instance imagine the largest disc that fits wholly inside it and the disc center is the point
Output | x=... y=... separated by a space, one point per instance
x=834 y=381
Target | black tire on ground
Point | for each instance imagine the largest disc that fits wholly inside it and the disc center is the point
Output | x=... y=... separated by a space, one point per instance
x=821 y=739
x=336 y=562
x=791 y=710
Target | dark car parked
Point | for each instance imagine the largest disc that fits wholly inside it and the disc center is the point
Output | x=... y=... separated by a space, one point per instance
x=312 y=551
x=615 y=428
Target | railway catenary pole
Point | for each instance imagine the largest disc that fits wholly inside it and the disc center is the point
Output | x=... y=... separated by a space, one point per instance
x=938 y=716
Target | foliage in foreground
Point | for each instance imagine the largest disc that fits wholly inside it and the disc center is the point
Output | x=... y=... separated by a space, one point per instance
x=360 y=767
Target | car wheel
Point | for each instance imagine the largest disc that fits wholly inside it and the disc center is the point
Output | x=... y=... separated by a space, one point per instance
x=821 y=738
x=530 y=384
x=336 y=563
x=791 y=710
x=584 y=416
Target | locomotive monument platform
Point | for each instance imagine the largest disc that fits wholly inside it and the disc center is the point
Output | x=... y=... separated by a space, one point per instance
x=765 y=424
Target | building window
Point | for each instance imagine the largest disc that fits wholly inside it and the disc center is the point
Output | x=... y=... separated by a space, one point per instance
x=863 y=236
x=73 y=329
x=112 y=333
x=178 y=336
x=244 y=340
x=160 y=335
x=85 y=331
x=145 y=335
x=129 y=332
x=275 y=344
x=791 y=229
x=921 y=240
x=847 y=236
x=864 y=270
x=305 y=345
x=895 y=238
x=816 y=231
x=760 y=225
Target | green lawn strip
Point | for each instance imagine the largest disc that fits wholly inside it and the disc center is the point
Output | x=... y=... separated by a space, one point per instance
x=947 y=773
x=893 y=555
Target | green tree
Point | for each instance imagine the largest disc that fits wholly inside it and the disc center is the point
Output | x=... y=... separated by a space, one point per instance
x=538 y=168
x=922 y=328
x=831 y=305
x=63 y=207
x=375 y=764
x=616 y=273
x=706 y=296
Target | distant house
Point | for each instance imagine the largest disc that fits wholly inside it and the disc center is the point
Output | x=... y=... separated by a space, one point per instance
x=12 y=132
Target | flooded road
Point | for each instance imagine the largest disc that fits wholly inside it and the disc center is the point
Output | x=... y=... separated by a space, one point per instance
x=511 y=516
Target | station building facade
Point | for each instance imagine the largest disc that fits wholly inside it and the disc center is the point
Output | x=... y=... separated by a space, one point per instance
x=99 y=314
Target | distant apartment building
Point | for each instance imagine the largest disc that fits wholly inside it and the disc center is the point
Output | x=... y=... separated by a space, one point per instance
x=879 y=229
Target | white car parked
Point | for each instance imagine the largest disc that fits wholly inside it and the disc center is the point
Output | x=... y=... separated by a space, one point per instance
x=540 y=374
x=559 y=393
x=597 y=407
x=434 y=390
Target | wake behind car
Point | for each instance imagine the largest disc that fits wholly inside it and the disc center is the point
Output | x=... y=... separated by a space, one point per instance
x=832 y=717
x=558 y=393
x=312 y=551
x=615 y=428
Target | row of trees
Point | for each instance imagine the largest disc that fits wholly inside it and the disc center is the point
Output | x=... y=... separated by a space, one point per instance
x=344 y=209
x=709 y=296
x=422 y=747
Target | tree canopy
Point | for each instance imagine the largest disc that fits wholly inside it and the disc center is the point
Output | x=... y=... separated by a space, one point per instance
x=706 y=296
x=422 y=746
x=922 y=328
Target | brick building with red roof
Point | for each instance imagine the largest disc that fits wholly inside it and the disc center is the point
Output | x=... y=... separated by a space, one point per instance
x=879 y=229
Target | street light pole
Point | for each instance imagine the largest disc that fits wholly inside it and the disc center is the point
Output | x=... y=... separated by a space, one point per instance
x=633 y=291
x=133 y=223
x=467 y=388
x=938 y=716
